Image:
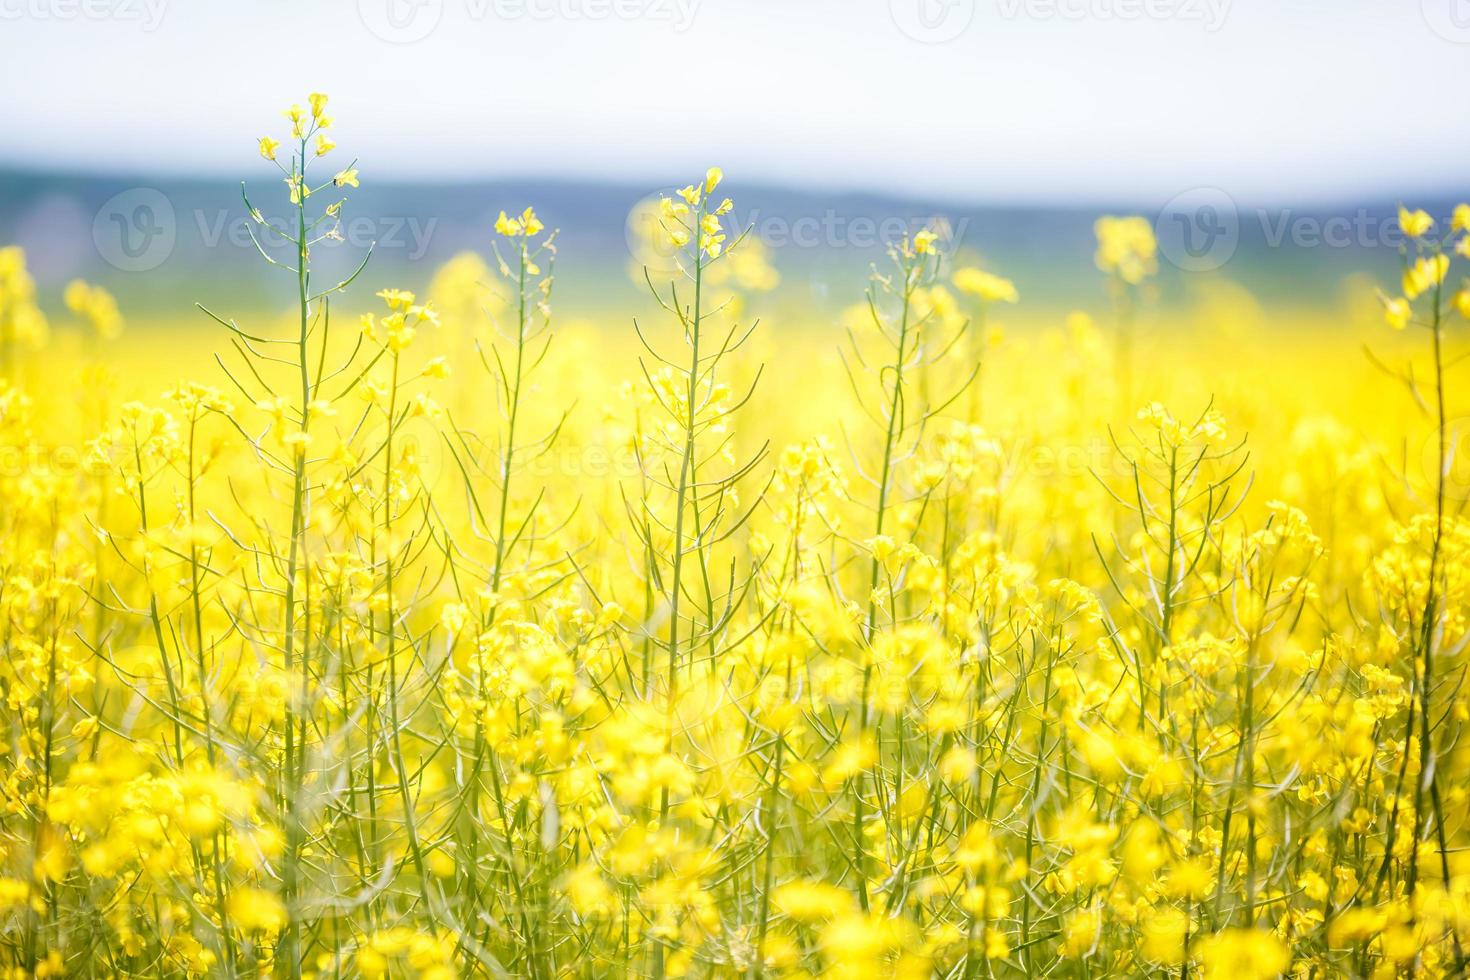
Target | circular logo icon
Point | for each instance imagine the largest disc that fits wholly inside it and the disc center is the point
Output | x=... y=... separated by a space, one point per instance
x=932 y=21
x=649 y=240
x=400 y=21
x=135 y=231
x=1456 y=458
x=1450 y=19
x=1198 y=231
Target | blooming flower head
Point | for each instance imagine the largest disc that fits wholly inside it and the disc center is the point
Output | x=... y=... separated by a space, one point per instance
x=298 y=121
x=1460 y=218
x=1126 y=247
x=1415 y=224
x=985 y=285
x=526 y=225
x=1427 y=272
x=674 y=213
x=1396 y=311
x=95 y=305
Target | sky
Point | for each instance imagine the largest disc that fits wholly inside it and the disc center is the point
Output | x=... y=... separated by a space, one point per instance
x=1023 y=101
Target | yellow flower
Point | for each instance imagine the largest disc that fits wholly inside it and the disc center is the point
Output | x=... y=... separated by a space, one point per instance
x=1243 y=954
x=1190 y=879
x=268 y=147
x=509 y=227
x=985 y=285
x=13 y=893
x=95 y=305
x=256 y=910
x=850 y=759
x=1460 y=218
x=1126 y=247
x=398 y=300
x=318 y=103
x=298 y=121
x=1427 y=272
x=1080 y=933
x=812 y=901
x=346 y=178
x=1396 y=311
x=1164 y=931
x=712 y=178
x=530 y=224
x=441 y=863
x=1415 y=224
x=324 y=145
x=587 y=891
x=924 y=242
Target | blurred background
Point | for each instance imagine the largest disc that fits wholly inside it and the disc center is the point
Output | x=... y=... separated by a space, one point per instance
x=1269 y=141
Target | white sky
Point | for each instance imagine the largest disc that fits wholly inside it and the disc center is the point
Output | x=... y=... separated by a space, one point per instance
x=1276 y=101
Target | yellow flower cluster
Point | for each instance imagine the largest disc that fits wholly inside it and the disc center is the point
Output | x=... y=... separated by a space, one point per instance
x=22 y=324
x=345 y=665
x=1427 y=270
x=1126 y=248
x=96 y=306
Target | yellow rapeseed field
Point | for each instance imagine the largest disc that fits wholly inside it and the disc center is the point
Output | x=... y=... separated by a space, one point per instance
x=444 y=639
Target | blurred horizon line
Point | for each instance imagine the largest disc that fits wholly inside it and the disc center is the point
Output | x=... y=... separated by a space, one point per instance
x=1441 y=193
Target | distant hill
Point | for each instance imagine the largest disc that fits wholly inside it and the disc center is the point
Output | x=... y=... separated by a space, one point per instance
x=161 y=244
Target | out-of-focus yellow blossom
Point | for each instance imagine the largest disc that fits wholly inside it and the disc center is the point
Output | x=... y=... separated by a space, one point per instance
x=95 y=305
x=985 y=285
x=1126 y=248
x=1416 y=223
